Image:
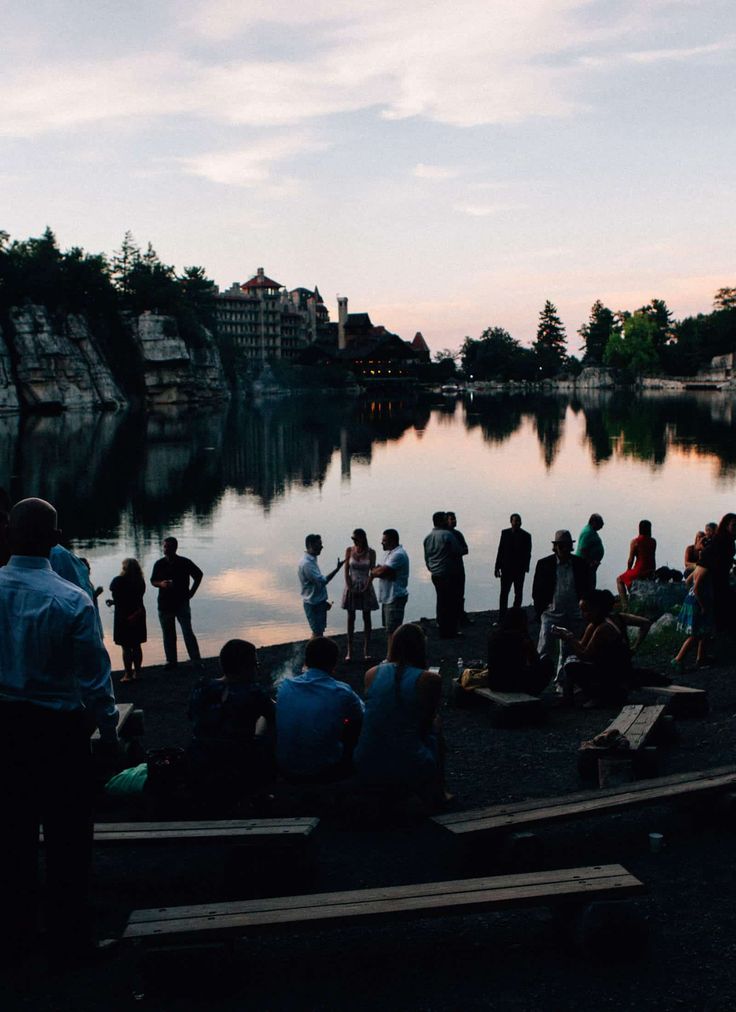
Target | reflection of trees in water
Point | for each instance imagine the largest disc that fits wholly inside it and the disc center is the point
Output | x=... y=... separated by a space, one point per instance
x=501 y=415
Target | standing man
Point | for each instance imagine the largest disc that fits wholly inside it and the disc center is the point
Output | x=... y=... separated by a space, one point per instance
x=314 y=585
x=452 y=525
x=393 y=580
x=171 y=575
x=560 y=581
x=55 y=688
x=443 y=557
x=590 y=547
x=512 y=562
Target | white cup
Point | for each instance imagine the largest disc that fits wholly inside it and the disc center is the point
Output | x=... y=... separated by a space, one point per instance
x=656 y=842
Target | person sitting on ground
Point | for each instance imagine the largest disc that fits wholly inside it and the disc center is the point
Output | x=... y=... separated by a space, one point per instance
x=513 y=662
x=230 y=756
x=400 y=745
x=692 y=553
x=696 y=619
x=641 y=564
x=318 y=719
x=602 y=667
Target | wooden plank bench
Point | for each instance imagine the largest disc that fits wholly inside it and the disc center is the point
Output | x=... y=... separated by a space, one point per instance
x=507 y=818
x=259 y=832
x=214 y=921
x=638 y=723
x=680 y=700
x=506 y=707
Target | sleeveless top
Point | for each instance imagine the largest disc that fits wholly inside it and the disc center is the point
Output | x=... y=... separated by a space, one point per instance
x=391 y=749
x=361 y=596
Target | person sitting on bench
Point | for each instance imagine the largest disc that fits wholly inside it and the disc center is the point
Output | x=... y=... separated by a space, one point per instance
x=400 y=745
x=318 y=719
x=513 y=662
x=602 y=667
x=227 y=759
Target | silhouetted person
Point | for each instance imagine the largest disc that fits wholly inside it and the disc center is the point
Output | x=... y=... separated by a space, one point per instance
x=717 y=558
x=129 y=623
x=512 y=561
x=590 y=547
x=171 y=575
x=443 y=558
x=452 y=526
x=55 y=688
x=513 y=662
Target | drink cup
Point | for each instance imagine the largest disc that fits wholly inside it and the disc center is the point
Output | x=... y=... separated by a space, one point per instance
x=656 y=842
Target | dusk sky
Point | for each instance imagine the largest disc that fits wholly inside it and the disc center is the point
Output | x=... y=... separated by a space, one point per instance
x=447 y=166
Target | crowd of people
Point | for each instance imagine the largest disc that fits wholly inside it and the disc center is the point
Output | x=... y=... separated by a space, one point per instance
x=56 y=682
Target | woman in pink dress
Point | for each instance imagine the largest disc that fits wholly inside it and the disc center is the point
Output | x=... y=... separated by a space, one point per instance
x=359 y=594
x=641 y=564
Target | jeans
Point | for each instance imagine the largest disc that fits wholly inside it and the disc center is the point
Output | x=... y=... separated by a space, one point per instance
x=549 y=643
x=392 y=613
x=449 y=603
x=316 y=616
x=168 y=619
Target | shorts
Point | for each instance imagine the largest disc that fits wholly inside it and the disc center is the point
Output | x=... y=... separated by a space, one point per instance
x=316 y=616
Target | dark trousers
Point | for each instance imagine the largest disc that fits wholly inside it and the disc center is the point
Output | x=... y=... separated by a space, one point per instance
x=168 y=620
x=45 y=779
x=449 y=603
x=507 y=579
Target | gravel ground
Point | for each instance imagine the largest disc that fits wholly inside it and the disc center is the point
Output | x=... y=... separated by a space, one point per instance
x=521 y=960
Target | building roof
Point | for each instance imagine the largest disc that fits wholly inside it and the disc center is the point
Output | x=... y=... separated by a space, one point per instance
x=419 y=344
x=259 y=280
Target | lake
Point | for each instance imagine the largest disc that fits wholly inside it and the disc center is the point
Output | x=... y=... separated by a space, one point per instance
x=241 y=486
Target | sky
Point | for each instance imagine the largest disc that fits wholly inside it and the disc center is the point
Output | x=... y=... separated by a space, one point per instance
x=447 y=166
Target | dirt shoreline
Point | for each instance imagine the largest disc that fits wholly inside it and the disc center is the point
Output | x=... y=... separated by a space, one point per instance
x=512 y=961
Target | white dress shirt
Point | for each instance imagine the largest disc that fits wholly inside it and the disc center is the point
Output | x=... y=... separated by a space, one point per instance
x=313 y=583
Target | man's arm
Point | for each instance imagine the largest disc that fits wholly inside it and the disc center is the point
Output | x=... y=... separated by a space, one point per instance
x=528 y=551
x=196 y=574
x=499 y=554
x=461 y=542
x=91 y=663
x=383 y=573
x=156 y=579
x=538 y=588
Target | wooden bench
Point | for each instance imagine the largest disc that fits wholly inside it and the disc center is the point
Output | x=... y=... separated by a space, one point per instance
x=483 y=822
x=124 y=712
x=506 y=707
x=214 y=921
x=638 y=724
x=281 y=832
x=680 y=700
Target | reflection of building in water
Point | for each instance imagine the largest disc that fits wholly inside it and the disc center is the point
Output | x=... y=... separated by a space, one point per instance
x=264 y=321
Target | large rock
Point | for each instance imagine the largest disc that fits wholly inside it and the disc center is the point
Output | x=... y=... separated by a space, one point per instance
x=8 y=393
x=58 y=362
x=173 y=372
x=596 y=377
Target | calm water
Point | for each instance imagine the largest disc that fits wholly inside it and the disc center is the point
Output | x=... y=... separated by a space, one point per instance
x=241 y=487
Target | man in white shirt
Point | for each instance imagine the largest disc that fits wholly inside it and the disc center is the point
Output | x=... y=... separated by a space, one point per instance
x=314 y=585
x=55 y=688
x=393 y=580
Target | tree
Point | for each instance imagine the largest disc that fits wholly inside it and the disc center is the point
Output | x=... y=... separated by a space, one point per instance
x=724 y=299
x=496 y=355
x=661 y=317
x=123 y=262
x=633 y=347
x=596 y=332
x=550 y=344
x=446 y=355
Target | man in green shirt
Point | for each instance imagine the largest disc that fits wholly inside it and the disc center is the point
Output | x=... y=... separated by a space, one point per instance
x=590 y=547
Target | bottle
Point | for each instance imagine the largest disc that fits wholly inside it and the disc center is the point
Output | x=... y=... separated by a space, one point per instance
x=460 y=667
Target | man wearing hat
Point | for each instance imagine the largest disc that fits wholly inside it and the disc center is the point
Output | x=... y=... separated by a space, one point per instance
x=560 y=581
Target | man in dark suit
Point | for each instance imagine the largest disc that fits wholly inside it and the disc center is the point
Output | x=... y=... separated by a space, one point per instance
x=512 y=561
x=560 y=581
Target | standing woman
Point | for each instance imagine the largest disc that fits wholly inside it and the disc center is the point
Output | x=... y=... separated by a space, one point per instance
x=717 y=557
x=129 y=626
x=359 y=594
x=641 y=564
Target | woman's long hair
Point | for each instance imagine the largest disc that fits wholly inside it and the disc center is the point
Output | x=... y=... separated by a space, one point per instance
x=361 y=539
x=131 y=570
x=722 y=530
x=407 y=649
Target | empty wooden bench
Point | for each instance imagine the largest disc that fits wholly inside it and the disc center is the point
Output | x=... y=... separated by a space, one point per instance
x=638 y=724
x=282 y=832
x=214 y=921
x=505 y=707
x=680 y=700
x=524 y=815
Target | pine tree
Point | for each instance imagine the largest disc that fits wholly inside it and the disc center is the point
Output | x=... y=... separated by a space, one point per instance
x=550 y=345
x=596 y=333
x=124 y=261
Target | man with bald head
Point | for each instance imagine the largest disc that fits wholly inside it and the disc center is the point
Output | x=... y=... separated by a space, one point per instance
x=55 y=688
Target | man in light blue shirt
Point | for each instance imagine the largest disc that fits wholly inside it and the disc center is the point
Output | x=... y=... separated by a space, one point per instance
x=318 y=719
x=314 y=585
x=55 y=688
x=393 y=581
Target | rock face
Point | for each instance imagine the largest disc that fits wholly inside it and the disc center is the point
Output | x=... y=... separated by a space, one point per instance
x=596 y=377
x=8 y=393
x=175 y=373
x=58 y=363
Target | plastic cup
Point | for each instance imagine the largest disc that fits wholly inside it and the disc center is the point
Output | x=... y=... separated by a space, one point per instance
x=656 y=842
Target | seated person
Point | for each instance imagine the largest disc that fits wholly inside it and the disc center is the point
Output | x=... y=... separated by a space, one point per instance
x=400 y=744
x=318 y=719
x=513 y=662
x=692 y=553
x=602 y=667
x=227 y=759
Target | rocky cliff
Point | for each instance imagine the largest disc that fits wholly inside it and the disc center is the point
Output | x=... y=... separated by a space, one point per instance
x=8 y=393
x=58 y=363
x=173 y=371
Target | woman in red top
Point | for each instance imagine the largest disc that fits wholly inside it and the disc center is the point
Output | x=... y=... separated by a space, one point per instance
x=641 y=564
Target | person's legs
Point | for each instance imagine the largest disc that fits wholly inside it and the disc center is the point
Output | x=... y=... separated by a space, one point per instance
x=518 y=589
x=316 y=617
x=184 y=615
x=503 y=599
x=137 y=652
x=622 y=592
x=367 y=630
x=446 y=605
x=393 y=614
x=351 y=635
x=168 y=630
x=128 y=663
x=548 y=644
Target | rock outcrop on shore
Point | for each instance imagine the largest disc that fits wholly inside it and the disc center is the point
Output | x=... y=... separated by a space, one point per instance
x=173 y=371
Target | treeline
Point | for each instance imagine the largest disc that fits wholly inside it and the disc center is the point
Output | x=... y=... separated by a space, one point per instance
x=106 y=290
x=646 y=341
